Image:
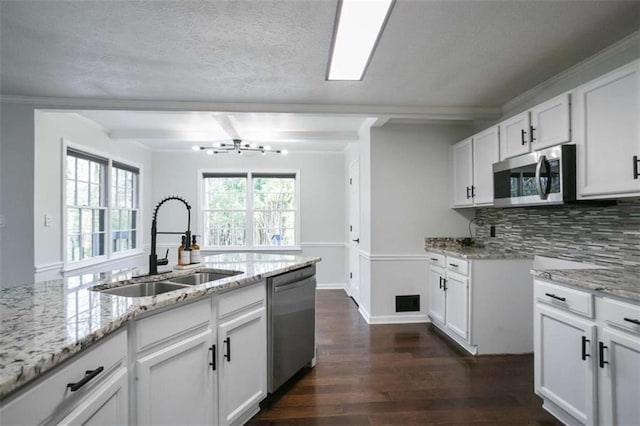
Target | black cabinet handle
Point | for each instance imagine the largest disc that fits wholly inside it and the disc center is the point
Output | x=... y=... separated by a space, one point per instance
x=454 y=265
x=633 y=321
x=444 y=284
x=562 y=299
x=357 y=240
x=440 y=284
x=584 y=348
x=434 y=259
x=213 y=357
x=227 y=342
x=473 y=191
x=601 y=348
x=522 y=133
x=531 y=129
x=468 y=196
x=635 y=167
x=88 y=376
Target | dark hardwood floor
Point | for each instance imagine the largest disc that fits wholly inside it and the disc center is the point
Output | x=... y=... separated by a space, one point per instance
x=401 y=374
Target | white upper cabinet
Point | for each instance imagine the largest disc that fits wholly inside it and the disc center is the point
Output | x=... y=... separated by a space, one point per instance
x=462 y=174
x=545 y=125
x=515 y=136
x=607 y=118
x=486 y=151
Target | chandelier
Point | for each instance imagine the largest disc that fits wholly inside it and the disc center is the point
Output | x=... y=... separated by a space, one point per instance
x=238 y=147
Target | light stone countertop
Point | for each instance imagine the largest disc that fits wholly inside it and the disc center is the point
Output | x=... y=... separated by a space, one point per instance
x=45 y=323
x=478 y=253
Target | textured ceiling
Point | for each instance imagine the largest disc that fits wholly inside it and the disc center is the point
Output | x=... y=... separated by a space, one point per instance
x=432 y=53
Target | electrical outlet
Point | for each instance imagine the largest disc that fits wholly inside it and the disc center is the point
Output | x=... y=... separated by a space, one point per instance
x=48 y=220
x=2 y=221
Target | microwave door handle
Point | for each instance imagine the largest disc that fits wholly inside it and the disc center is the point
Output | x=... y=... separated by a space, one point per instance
x=542 y=193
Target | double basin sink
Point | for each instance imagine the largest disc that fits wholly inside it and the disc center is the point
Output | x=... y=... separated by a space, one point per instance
x=152 y=288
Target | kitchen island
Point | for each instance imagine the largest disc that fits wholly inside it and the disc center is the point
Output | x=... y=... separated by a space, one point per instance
x=45 y=324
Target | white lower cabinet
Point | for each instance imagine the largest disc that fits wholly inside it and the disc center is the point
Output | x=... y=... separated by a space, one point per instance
x=484 y=305
x=586 y=356
x=242 y=354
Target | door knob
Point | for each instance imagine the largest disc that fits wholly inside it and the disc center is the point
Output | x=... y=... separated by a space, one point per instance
x=357 y=240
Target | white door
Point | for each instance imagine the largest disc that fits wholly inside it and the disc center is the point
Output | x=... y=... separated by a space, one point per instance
x=462 y=173
x=564 y=361
x=486 y=151
x=550 y=123
x=620 y=399
x=514 y=136
x=608 y=134
x=107 y=405
x=457 y=304
x=436 y=294
x=175 y=384
x=354 y=231
x=242 y=355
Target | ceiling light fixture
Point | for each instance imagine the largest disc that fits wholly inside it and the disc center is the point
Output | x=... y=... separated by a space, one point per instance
x=357 y=29
x=238 y=147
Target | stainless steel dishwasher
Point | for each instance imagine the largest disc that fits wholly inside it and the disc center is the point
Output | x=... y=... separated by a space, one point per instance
x=292 y=320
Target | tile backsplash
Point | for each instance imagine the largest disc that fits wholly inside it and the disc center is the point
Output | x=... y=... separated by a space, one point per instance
x=607 y=236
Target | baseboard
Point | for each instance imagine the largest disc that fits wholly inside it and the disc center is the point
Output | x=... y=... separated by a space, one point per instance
x=364 y=313
x=331 y=286
x=398 y=319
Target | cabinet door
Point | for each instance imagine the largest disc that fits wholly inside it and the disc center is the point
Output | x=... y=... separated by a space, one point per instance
x=486 y=151
x=107 y=405
x=175 y=384
x=620 y=378
x=462 y=173
x=608 y=134
x=550 y=123
x=514 y=136
x=457 y=304
x=436 y=294
x=564 y=361
x=242 y=348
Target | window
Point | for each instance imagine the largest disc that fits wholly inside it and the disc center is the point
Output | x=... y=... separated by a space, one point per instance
x=101 y=201
x=250 y=210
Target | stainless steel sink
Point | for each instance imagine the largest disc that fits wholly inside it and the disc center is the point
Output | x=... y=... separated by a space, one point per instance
x=144 y=289
x=203 y=277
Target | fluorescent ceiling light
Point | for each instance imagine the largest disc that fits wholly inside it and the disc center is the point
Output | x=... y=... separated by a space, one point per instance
x=359 y=26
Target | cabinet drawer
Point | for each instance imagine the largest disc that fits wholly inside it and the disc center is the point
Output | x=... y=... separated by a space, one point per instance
x=459 y=266
x=622 y=314
x=49 y=399
x=564 y=297
x=168 y=324
x=437 y=259
x=240 y=299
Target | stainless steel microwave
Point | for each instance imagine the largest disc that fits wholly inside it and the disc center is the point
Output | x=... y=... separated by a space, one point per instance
x=544 y=177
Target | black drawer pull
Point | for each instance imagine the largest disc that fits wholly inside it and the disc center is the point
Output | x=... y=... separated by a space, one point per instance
x=227 y=342
x=531 y=130
x=635 y=167
x=88 y=376
x=434 y=259
x=454 y=265
x=633 y=321
x=468 y=189
x=522 y=133
x=601 y=348
x=584 y=348
x=444 y=284
x=440 y=282
x=213 y=357
x=562 y=299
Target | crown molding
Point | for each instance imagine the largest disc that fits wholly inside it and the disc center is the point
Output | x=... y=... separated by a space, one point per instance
x=392 y=112
x=632 y=41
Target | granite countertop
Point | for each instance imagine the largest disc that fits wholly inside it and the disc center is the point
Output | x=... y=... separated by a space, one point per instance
x=459 y=247
x=45 y=323
x=619 y=282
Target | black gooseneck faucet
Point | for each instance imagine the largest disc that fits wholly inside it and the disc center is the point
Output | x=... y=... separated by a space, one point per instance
x=153 y=257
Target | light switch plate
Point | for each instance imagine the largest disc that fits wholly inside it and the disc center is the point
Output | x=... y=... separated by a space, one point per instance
x=2 y=221
x=48 y=220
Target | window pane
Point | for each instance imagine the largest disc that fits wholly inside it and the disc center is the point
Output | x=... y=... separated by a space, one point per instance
x=73 y=221
x=86 y=220
x=133 y=242
x=273 y=193
x=83 y=194
x=224 y=228
x=274 y=228
x=96 y=172
x=71 y=193
x=83 y=169
x=71 y=167
x=134 y=216
x=115 y=219
x=73 y=247
x=225 y=193
x=94 y=195
x=124 y=219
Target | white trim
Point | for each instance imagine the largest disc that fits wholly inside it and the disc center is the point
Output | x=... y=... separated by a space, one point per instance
x=364 y=313
x=398 y=319
x=580 y=67
x=417 y=113
x=49 y=267
x=109 y=263
x=328 y=244
x=398 y=258
x=331 y=286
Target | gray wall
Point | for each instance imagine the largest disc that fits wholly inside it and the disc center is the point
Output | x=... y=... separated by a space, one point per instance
x=16 y=193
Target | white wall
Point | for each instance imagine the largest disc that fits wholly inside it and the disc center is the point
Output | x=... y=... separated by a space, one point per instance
x=50 y=129
x=322 y=203
x=16 y=194
x=410 y=200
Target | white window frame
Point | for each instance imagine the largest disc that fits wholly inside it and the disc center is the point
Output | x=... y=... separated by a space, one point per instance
x=250 y=247
x=109 y=254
